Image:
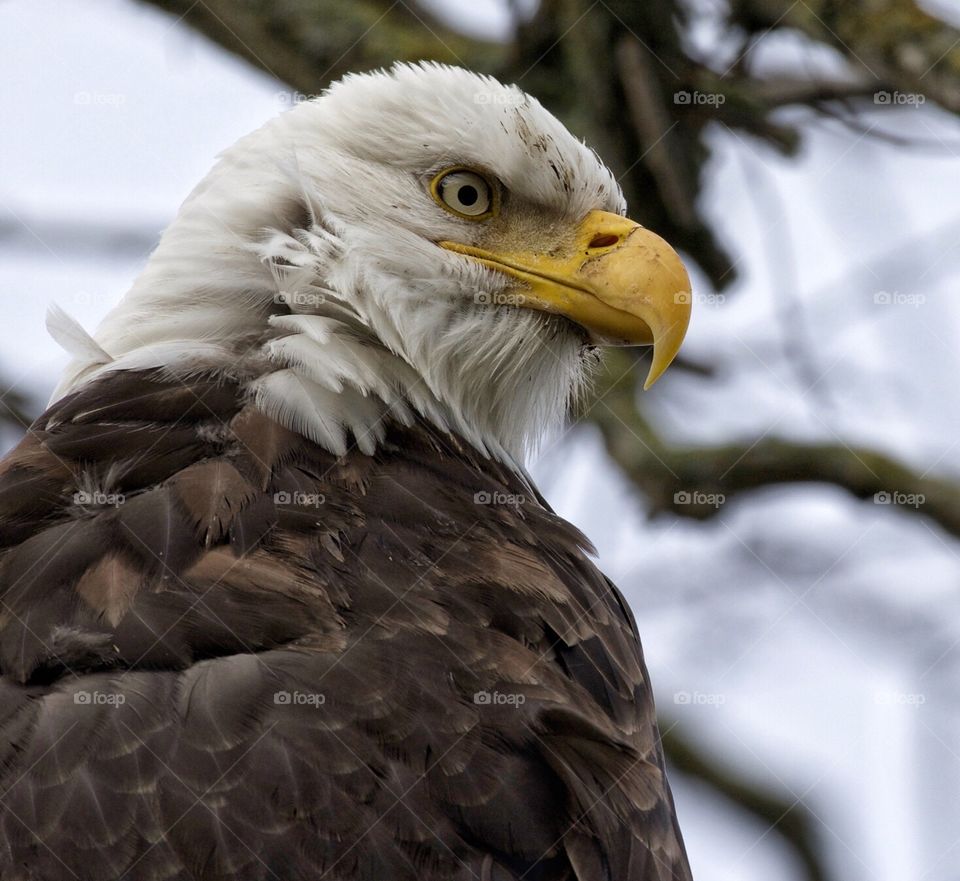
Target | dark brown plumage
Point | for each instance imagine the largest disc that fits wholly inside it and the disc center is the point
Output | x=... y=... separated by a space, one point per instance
x=228 y=654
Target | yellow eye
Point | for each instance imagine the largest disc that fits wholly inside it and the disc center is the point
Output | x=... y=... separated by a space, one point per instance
x=466 y=193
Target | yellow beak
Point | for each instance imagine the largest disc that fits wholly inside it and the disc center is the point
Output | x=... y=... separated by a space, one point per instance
x=621 y=282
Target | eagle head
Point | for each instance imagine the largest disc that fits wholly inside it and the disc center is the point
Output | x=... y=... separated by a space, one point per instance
x=422 y=243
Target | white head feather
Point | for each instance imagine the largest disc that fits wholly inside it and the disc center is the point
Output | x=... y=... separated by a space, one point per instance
x=306 y=263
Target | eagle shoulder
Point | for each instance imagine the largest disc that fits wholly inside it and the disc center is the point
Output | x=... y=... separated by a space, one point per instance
x=227 y=653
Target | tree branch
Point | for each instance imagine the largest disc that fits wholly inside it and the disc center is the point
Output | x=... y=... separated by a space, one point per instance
x=310 y=44
x=895 y=42
x=785 y=90
x=682 y=480
x=786 y=816
x=652 y=122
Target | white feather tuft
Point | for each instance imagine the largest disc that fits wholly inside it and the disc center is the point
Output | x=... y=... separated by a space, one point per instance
x=69 y=334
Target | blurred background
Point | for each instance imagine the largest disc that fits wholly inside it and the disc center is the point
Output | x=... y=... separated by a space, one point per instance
x=783 y=509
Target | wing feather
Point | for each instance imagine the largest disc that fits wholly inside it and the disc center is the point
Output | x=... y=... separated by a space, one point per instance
x=240 y=657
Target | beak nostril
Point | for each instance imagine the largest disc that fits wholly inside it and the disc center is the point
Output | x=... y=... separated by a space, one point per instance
x=603 y=240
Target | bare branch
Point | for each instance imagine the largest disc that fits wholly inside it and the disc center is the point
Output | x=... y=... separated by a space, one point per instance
x=310 y=44
x=661 y=471
x=786 y=816
x=894 y=42
x=785 y=91
x=652 y=122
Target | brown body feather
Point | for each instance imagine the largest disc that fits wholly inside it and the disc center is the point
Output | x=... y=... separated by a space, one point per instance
x=227 y=654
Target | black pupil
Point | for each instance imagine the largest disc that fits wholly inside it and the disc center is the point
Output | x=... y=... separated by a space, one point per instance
x=468 y=195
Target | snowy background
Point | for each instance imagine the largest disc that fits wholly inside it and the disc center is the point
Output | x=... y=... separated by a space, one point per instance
x=809 y=640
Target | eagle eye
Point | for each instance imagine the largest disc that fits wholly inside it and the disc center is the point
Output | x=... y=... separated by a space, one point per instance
x=466 y=193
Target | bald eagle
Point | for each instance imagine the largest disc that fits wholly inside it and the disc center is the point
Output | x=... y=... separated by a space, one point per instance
x=278 y=599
